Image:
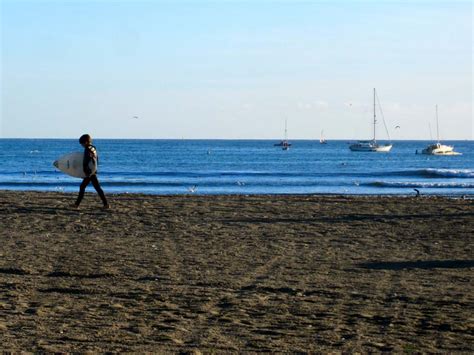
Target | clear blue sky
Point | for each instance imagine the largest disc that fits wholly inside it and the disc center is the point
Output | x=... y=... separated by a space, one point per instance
x=235 y=69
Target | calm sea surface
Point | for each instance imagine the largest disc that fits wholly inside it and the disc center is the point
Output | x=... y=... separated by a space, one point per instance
x=241 y=167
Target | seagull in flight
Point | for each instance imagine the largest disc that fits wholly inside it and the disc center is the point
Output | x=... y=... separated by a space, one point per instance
x=192 y=189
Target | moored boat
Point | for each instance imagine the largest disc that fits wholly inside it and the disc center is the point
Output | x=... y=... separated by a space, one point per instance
x=372 y=145
x=438 y=148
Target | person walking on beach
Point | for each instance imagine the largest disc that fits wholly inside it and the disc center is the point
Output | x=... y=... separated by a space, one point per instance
x=90 y=155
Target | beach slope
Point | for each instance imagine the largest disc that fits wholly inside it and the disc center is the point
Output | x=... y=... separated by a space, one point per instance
x=230 y=273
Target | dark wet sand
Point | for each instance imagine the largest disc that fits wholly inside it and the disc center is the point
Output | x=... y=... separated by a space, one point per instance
x=236 y=273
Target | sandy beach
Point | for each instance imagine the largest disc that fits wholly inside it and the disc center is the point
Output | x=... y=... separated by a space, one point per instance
x=221 y=274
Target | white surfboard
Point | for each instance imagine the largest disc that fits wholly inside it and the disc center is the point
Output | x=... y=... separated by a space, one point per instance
x=71 y=164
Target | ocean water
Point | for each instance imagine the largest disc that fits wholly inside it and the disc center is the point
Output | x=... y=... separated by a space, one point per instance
x=241 y=167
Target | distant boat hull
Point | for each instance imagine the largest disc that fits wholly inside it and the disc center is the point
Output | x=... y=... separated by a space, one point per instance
x=370 y=147
x=282 y=144
x=439 y=149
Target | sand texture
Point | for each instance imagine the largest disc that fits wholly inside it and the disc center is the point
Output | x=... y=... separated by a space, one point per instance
x=236 y=273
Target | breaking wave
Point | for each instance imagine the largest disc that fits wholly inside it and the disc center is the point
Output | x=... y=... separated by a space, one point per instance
x=448 y=173
x=415 y=184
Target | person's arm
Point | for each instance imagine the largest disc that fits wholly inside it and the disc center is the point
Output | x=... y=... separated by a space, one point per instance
x=88 y=155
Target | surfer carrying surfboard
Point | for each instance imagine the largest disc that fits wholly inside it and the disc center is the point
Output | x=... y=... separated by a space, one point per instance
x=90 y=163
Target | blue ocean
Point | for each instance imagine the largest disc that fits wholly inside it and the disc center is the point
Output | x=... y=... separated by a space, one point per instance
x=241 y=167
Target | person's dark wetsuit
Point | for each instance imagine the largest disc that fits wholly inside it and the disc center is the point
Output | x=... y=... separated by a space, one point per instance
x=90 y=155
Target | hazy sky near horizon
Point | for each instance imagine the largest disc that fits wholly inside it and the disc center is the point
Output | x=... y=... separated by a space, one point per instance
x=235 y=69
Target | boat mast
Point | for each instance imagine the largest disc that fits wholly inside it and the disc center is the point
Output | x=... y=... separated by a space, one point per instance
x=437 y=123
x=286 y=135
x=375 y=118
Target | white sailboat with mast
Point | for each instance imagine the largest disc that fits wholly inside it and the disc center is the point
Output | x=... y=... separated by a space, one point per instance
x=372 y=145
x=284 y=144
x=438 y=148
x=322 y=140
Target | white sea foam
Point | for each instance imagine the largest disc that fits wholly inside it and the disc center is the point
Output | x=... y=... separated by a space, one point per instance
x=415 y=184
x=454 y=173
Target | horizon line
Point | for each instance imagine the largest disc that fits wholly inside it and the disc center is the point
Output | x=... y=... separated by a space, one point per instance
x=235 y=139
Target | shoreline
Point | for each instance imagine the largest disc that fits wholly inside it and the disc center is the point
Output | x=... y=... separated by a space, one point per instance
x=90 y=191
x=230 y=273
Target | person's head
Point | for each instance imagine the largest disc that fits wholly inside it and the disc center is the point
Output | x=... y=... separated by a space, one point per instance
x=85 y=139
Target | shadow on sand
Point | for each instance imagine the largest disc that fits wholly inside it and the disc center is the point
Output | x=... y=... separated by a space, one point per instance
x=427 y=264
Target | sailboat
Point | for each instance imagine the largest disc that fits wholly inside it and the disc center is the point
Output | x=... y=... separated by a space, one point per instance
x=371 y=145
x=438 y=148
x=322 y=140
x=284 y=144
